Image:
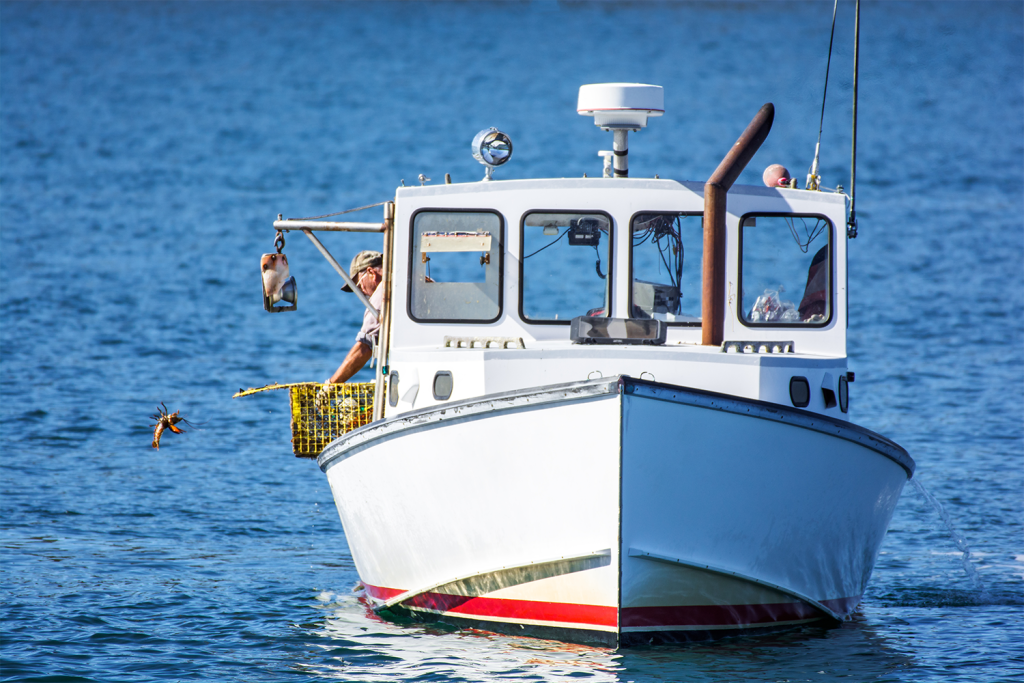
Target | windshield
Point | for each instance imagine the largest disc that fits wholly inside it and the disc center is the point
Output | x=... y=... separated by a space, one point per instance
x=566 y=266
x=785 y=270
x=666 y=254
x=455 y=270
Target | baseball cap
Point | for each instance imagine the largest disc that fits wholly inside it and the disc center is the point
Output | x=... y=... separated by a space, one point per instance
x=362 y=261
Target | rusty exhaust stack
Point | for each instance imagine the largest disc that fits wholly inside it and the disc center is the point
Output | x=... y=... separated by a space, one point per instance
x=715 y=191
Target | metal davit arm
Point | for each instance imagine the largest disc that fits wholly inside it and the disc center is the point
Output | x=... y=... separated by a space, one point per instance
x=327 y=226
x=341 y=271
x=308 y=226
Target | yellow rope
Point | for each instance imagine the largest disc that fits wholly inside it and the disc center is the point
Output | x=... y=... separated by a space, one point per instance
x=270 y=387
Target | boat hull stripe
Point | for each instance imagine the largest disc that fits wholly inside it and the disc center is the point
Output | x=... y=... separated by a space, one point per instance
x=681 y=617
x=510 y=610
x=716 y=615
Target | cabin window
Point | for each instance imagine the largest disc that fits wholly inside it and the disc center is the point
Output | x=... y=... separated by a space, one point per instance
x=665 y=265
x=455 y=266
x=565 y=266
x=785 y=270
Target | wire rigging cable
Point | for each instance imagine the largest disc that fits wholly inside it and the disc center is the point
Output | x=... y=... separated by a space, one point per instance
x=338 y=213
x=813 y=179
x=851 y=223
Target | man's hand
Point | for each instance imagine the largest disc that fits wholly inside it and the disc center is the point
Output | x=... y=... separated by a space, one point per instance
x=353 y=363
x=323 y=397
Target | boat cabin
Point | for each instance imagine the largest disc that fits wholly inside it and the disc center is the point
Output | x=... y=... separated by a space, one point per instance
x=484 y=280
x=505 y=285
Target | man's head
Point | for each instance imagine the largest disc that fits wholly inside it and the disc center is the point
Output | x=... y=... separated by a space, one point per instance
x=365 y=271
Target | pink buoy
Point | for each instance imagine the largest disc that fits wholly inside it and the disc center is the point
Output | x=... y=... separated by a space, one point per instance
x=776 y=175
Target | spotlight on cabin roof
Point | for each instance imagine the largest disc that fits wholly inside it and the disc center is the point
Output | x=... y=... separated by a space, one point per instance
x=621 y=105
x=492 y=148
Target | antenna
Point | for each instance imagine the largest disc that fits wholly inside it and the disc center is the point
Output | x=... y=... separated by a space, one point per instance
x=851 y=223
x=620 y=108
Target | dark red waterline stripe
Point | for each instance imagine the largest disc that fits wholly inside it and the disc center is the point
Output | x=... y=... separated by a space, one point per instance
x=716 y=615
x=597 y=615
x=729 y=615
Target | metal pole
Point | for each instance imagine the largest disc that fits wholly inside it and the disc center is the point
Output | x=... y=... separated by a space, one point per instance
x=380 y=391
x=344 y=276
x=327 y=226
x=851 y=225
x=715 y=191
x=620 y=148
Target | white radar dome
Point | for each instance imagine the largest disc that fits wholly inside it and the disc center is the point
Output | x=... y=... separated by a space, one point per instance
x=621 y=105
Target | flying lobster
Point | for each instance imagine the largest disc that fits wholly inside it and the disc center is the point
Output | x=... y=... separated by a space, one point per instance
x=165 y=420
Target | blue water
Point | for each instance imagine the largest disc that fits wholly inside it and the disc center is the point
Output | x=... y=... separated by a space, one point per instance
x=145 y=149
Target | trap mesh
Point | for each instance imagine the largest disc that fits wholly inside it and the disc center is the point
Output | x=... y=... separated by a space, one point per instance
x=350 y=405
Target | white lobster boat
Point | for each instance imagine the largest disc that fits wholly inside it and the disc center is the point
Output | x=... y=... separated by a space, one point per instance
x=614 y=409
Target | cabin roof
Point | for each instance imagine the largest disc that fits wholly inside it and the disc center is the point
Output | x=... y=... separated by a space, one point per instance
x=617 y=184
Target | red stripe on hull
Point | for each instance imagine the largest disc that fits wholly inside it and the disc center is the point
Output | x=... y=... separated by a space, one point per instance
x=378 y=593
x=654 y=618
x=497 y=608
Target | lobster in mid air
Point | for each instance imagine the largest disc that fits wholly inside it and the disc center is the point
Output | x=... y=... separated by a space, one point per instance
x=165 y=420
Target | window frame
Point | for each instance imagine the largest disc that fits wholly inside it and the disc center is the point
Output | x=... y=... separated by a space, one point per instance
x=609 y=276
x=501 y=268
x=688 y=214
x=831 y=271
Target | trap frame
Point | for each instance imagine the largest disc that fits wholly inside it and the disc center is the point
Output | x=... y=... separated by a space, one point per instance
x=348 y=406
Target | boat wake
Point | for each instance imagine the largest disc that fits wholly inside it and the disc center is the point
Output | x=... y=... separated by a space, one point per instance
x=958 y=540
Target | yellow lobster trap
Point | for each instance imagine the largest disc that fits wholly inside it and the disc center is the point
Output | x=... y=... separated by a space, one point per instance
x=317 y=422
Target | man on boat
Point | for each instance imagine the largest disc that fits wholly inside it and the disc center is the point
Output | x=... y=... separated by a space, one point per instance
x=365 y=272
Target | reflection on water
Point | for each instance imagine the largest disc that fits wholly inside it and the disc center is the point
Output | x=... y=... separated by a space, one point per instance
x=360 y=646
x=363 y=647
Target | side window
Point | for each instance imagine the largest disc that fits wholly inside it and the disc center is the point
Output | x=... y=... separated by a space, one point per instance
x=455 y=269
x=565 y=266
x=785 y=270
x=666 y=253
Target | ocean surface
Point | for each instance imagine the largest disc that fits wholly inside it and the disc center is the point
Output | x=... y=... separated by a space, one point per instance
x=145 y=149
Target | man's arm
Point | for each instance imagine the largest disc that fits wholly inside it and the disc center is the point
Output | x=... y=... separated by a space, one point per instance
x=353 y=363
